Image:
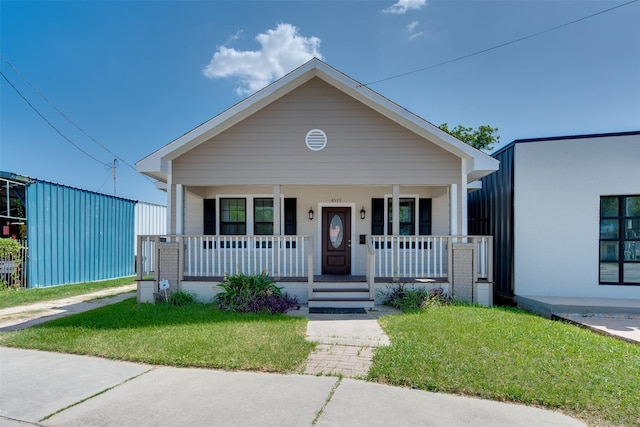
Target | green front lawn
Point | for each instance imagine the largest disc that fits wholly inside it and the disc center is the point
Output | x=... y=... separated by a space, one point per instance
x=193 y=335
x=15 y=297
x=509 y=355
x=495 y=353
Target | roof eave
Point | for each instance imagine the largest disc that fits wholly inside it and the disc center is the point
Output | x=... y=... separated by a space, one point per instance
x=156 y=165
x=227 y=118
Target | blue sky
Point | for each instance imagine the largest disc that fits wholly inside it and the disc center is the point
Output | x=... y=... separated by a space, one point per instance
x=134 y=75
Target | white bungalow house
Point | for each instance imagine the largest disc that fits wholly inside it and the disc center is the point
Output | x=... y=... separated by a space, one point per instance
x=302 y=179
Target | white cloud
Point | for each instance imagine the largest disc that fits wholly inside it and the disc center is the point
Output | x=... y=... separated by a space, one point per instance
x=283 y=49
x=403 y=6
x=411 y=29
x=237 y=36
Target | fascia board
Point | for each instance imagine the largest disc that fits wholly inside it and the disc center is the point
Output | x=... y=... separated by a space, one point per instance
x=152 y=165
x=474 y=186
x=480 y=166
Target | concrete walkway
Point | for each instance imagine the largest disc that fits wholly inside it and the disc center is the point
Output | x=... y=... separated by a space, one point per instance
x=24 y=316
x=626 y=328
x=346 y=341
x=41 y=388
x=52 y=389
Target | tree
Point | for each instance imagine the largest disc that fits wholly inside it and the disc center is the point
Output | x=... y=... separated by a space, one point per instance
x=481 y=138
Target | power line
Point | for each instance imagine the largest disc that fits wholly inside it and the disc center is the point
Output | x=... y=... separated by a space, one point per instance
x=49 y=123
x=105 y=180
x=502 y=44
x=55 y=107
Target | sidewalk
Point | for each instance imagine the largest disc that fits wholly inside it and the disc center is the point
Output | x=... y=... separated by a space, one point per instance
x=61 y=389
x=24 y=316
x=51 y=389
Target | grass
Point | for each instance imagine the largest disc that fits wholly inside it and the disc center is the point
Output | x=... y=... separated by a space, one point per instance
x=15 y=297
x=508 y=355
x=495 y=353
x=195 y=335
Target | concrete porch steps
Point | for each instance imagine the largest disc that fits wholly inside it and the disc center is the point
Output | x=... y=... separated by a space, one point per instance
x=341 y=303
x=341 y=295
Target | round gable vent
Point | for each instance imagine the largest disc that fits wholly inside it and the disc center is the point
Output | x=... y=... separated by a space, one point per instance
x=316 y=139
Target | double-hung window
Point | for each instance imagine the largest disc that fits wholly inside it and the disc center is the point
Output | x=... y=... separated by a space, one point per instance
x=232 y=219
x=620 y=240
x=407 y=217
x=263 y=217
x=233 y=214
x=410 y=219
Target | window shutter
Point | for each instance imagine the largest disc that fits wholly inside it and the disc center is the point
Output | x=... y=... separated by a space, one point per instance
x=209 y=216
x=425 y=217
x=290 y=223
x=377 y=217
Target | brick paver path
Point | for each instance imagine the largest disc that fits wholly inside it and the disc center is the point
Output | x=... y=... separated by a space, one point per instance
x=346 y=360
x=346 y=342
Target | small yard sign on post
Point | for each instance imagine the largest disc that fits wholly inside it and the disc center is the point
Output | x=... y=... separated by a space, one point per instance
x=164 y=286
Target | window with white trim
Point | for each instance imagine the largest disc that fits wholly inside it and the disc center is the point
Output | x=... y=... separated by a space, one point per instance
x=409 y=217
x=233 y=216
x=620 y=240
x=263 y=216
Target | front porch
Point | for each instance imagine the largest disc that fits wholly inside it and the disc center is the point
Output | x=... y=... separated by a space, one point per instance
x=461 y=265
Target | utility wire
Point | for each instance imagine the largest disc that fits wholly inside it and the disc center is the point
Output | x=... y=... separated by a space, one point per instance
x=105 y=180
x=557 y=27
x=49 y=123
x=55 y=107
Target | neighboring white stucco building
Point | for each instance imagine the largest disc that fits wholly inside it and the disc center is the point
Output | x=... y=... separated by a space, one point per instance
x=565 y=213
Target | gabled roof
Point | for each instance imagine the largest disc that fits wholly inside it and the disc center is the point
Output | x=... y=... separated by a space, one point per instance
x=477 y=164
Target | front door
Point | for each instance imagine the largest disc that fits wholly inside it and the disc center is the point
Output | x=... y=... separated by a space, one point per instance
x=336 y=240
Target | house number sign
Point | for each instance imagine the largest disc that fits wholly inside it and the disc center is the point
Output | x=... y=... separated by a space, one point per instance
x=336 y=200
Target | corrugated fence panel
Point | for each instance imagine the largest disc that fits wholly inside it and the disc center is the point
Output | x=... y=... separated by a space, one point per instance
x=150 y=220
x=491 y=213
x=77 y=236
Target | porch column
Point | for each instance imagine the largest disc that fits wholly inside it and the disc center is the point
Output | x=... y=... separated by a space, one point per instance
x=179 y=209
x=453 y=209
x=169 y=204
x=395 y=207
x=395 y=225
x=276 y=210
x=463 y=205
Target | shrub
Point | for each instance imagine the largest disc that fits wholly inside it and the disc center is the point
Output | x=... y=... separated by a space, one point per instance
x=181 y=298
x=256 y=293
x=415 y=299
x=10 y=257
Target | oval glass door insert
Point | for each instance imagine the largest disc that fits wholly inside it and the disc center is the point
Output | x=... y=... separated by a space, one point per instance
x=336 y=231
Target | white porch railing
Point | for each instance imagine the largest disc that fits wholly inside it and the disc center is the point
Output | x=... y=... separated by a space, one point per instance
x=484 y=256
x=424 y=256
x=217 y=256
x=147 y=255
x=411 y=256
x=280 y=256
x=392 y=257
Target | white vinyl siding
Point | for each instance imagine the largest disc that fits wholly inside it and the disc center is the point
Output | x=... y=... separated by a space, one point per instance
x=364 y=147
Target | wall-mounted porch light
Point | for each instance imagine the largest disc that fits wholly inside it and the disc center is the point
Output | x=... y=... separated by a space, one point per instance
x=310 y=214
x=363 y=213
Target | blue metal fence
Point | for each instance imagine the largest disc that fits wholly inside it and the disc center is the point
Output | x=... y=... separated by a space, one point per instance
x=77 y=236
